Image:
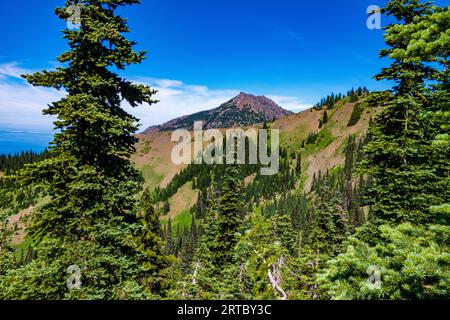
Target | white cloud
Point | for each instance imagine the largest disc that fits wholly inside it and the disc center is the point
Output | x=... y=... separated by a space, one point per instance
x=290 y=103
x=12 y=70
x=177 y=99
x=21 y=104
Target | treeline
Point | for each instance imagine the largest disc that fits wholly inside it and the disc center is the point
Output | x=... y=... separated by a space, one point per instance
x=259 y=188
x=10 y=163
x=315 y=224
x=351 y=95
x=201 y=174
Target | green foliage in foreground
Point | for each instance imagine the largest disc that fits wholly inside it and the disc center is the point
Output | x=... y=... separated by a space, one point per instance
x=91 y=221
x=413 y=263
x=409 y=161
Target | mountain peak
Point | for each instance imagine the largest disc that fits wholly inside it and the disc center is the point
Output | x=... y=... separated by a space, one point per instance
x=243 y=99
x=243 y=110
x=259 y=104
x=244 y=95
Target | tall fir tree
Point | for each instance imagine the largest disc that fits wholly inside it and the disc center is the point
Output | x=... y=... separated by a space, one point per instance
x=91 y=219
x=408 y=156
x=154 y=261
x=325 y=117
x=230 y=214
x=404 y=186
x=169 y=238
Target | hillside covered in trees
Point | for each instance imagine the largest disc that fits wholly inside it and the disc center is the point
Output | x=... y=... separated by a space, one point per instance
x=358 y=210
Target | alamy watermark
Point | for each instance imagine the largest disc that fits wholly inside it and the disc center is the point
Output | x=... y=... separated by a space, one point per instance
x=374 y=280
x=74 y=279
x=74 y=20
x=374 y=20
x=191 y=149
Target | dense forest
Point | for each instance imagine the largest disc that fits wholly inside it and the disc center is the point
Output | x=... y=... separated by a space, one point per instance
x=376 y=227
x=13 y=196
x=10 y=163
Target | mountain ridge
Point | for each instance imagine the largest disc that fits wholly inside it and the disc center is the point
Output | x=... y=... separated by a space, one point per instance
x=243 y=110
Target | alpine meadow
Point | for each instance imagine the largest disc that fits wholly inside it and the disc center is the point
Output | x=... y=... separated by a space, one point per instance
x=224 y=194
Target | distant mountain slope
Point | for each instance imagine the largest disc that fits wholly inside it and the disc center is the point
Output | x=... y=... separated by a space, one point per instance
x=243 y=110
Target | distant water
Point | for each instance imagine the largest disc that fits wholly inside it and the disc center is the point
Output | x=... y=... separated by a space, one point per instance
x=12 y=141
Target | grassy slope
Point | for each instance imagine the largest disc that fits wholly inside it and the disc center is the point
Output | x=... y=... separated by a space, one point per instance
x=332 y=140
x=183 y=200
x=153 y=157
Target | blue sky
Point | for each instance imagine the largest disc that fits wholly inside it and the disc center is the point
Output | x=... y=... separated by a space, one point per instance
x=203 y=52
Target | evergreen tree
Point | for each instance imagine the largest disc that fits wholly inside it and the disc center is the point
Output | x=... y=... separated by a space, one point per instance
x=91 y=219
x=166 y=207
x=169 y=238
x=408 y=157
x=412 y=263
x=404 y=181
x=357 y=112
x=348 y=172
x=325 y=117
x=229 y=215
x=7 y=258
x=190 y=247
x=298 y=164
x=154 y=259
